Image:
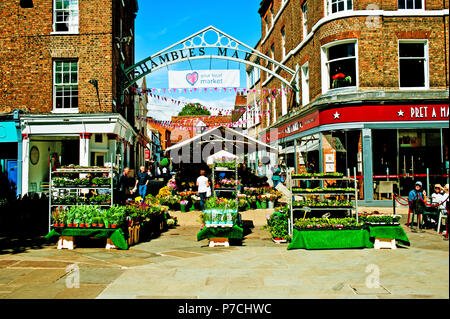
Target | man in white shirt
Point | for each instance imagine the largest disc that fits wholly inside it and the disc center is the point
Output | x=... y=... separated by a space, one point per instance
x=203 y=184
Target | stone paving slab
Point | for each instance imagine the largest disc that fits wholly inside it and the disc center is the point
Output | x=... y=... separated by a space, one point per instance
x=36 y=291
x=8 y=275
x=129 y=261
x=7 y=263
x=176 y=265
x=181 y=254
x=41 y=264
x=85 y=291
x=40 y=276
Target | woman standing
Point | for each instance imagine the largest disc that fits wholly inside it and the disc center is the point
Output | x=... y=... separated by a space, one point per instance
x=203 y=184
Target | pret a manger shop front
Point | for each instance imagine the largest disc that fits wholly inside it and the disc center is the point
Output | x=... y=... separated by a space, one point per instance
x=391 y=145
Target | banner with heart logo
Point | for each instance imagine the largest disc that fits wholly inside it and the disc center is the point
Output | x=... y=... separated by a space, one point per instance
x=204 y=79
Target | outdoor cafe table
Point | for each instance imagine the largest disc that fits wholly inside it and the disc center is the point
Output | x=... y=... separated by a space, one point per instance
x=115 y=235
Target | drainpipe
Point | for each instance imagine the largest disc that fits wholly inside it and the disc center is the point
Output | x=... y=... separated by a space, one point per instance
x=16 y=118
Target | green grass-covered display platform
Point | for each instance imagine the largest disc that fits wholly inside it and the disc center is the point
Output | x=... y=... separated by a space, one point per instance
x=116 y=235
x=234 y=232
x=389 y=232
x=348 y=238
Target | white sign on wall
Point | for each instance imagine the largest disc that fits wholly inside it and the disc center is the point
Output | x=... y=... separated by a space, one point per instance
x=204 y=79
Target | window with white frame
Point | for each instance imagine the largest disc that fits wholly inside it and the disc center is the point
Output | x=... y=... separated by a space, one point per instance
x=65 y=16
x=413 y=60
x=65 y=85
x=340 y=65
x=284 y=104
x=305 y=19
x=339 y=5
x=305 y=83
x=283 y=42
x=410 y=4
x=272 y=51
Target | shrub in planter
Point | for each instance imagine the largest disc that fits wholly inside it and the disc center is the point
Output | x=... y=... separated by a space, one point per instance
x=277 y=224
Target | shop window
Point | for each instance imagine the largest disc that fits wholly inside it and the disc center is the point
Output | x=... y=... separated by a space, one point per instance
x=413 y=64
x=65 y=85
x=339 y=5
x=98 y=159
x=339 y=66
x=410 y=4
x=98 y=138
x=65 y=16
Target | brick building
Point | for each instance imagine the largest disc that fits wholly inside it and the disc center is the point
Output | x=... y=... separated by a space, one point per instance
x=373 y=89
x=60 y=66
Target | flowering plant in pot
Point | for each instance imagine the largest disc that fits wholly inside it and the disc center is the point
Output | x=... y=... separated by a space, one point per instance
x=341 y=80
x=183 y=204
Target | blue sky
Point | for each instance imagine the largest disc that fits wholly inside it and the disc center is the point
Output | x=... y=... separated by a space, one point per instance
x=159 y=24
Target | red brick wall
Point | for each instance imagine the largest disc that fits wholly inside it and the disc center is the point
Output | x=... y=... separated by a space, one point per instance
x=377 y=47
x=27 y=50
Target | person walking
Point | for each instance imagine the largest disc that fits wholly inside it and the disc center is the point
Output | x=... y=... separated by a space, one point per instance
x=276 y=176
x=203 y=184
x=142 y=182
x=123 y=186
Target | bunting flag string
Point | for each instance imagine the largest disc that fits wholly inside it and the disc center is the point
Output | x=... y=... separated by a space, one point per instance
x=272 y=96
x=210 y=90
x=189 y=124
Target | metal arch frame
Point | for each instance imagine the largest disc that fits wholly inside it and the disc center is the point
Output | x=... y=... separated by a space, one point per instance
x=188 y=43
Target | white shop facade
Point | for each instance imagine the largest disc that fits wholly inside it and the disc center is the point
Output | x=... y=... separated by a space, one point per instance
x=79 y=139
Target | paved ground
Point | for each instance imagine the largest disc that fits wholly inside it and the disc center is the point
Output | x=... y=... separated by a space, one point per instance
x=175 y=265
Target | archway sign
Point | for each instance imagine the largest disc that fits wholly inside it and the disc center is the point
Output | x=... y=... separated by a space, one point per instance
x=209 y=43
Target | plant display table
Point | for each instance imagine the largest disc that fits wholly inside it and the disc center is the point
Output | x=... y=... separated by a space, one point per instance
x=330 y=239
x=389 y=232
x=234 y=232
x=116 y=236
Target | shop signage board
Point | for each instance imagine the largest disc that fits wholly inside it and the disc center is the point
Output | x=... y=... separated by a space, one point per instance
x=367 y=113
x=385 y=113
x=204 y=79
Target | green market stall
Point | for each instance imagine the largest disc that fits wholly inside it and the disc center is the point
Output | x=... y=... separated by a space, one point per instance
x=330 y=239
x=221 y=223
x=347 y=233
x=116 y=236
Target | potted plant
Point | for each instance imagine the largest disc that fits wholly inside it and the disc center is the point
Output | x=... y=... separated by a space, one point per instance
x=183 y=204
x=101 y=223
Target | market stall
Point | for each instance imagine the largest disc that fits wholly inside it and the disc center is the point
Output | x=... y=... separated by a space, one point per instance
x=341 y=233
x=72 y=214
